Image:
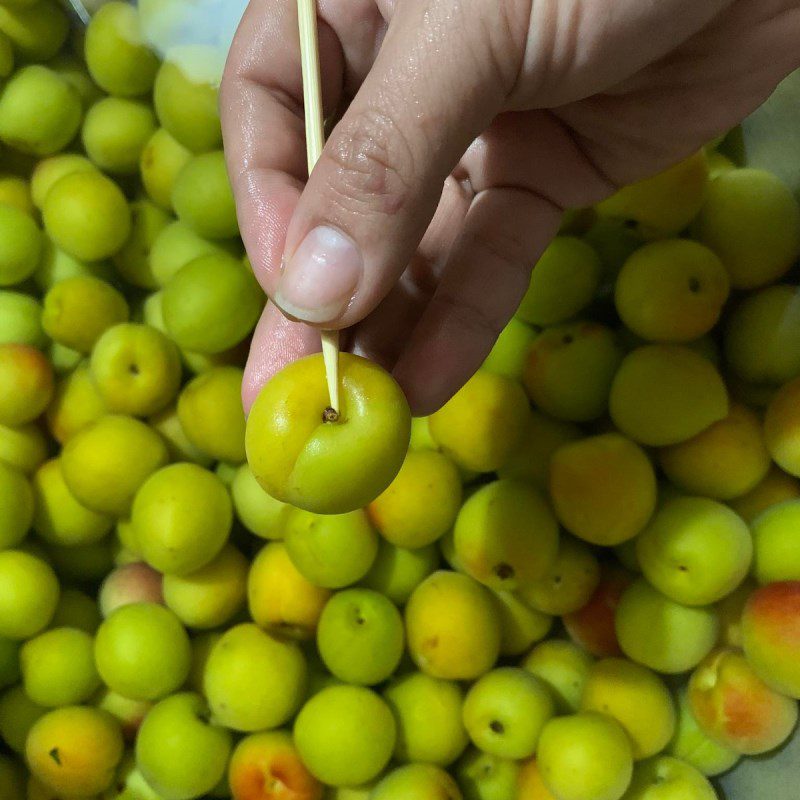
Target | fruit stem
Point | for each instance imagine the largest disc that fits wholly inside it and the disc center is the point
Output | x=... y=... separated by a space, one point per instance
x=315 y=140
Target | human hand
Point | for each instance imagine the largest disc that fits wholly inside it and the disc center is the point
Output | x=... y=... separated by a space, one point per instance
x=472 y=126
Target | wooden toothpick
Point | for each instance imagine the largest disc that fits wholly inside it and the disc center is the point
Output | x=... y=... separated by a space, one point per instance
x=315 y=140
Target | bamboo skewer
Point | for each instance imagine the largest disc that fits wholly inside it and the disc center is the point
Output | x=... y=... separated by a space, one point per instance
x=315 y=140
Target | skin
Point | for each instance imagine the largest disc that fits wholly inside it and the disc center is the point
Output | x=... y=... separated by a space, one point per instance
x=295 y=454
x=770 y=636
x=695 y=550
x=569 y=110
x=428 y=713
x=267 y=766
x=637 y=698
x=736 y=708
x=178 y=751
x=452 y=627
x=75 y=750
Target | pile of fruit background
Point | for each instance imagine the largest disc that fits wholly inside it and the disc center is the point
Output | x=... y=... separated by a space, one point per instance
x=584 y=583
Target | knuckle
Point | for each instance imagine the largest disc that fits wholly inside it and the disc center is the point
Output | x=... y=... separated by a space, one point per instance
x=372 y=164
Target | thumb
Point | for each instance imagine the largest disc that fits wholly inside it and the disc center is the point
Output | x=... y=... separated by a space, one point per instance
x=436 y=84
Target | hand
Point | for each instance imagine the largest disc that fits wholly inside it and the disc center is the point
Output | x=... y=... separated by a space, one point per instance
x=473 y=124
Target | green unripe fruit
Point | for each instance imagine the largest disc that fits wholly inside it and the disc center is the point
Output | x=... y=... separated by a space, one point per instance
x=20 y=245
x=203 y=198
x=115 y=132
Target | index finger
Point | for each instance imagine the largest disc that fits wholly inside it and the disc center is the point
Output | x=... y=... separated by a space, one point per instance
x=261 y=106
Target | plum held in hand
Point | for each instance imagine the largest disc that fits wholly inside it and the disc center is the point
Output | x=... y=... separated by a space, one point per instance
x=304 y=455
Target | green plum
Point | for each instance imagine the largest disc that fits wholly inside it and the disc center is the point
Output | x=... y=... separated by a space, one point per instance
x=87 y=215
x=505 y=712
x=258 y=511
x=505 y=535
x=682 y=638
x=18 y=713
x=178 y=751
x=39 y=111
x=211 y=304
x=420 y=781
x=174 y=247
x=21 y=319
x=695 y=550
x=345 y=735
x=482 y=776
x=106 y=462
x=142 y=651
x=585 y=756
x=563 y=282
x=254 y=681
x=58 y=667
x=508 y=354
x=563 y=667
x=16 y=506
x=21 y=245
x=668 y=778
x=428 y=713
x=397 y=571
x=115 y=132
x=569 y=370
x=132 y=261
x=333 y=550
x=452 y=627
x=30 y=594
x=50 y=170
x=322 y=462
x=203 y=199
x=360 y=636
x=118 y=58
x=182 y=516
x=163 y=157
x=775 y=540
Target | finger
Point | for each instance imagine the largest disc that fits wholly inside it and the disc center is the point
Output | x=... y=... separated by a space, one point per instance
x=369 y=200
x=261 y=100
x=276 y=342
